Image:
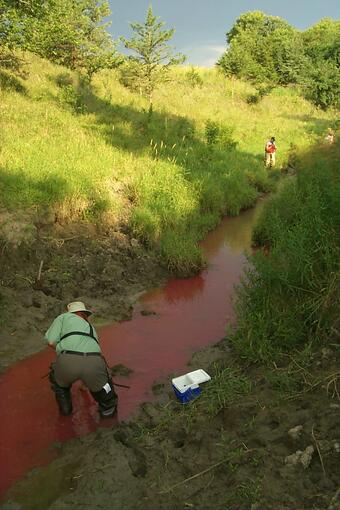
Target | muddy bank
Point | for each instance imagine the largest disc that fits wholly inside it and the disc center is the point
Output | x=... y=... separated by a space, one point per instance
x=43 y=267
x=273 y=443
x=257 y=438
x=168 y=324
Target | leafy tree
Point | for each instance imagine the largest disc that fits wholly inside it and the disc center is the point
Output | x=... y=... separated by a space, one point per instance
x=256 y=22
x=263 y=49
x=322 y=48
x=322 y=41
x=10 y=38
x=153 y=56
x=323 y=85
x=68 y=32
x=267 y=50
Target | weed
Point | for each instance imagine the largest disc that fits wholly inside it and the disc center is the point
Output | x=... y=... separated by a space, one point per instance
x=284 y=381
x=217 y=134
x=68 y=95
x=247 y=492
x=228 y=385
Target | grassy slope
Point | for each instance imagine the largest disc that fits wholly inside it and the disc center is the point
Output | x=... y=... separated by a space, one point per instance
x=85 y=151
x=290 y=296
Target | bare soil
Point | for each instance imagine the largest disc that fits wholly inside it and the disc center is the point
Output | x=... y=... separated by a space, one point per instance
x=44 y=266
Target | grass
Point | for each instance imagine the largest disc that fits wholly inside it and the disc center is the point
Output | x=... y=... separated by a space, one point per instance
x=244 y=494
x=92 y=152
x=290 y=295
x=228 y=385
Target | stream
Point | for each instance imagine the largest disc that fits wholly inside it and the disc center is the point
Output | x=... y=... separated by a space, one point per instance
x=177 y=320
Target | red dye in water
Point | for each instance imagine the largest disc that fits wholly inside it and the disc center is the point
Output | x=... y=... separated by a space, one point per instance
x=188 y=315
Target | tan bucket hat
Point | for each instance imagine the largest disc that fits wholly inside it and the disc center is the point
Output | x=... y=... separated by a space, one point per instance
x=78 y=306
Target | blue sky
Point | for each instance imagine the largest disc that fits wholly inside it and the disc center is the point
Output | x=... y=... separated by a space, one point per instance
x=201 y=25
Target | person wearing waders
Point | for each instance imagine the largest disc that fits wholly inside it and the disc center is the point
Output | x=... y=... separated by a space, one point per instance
x=269 y=150
x=79 y=357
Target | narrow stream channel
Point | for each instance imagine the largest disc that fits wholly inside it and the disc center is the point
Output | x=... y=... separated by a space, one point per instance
x=188 y=314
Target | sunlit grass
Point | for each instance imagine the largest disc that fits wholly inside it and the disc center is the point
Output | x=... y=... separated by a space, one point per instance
x=290 y=295
x=66 y=145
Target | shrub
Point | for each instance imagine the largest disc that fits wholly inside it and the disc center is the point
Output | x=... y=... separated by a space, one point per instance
x=68 y=95
x=194 y=78
x=211 y=132
x=220 y=135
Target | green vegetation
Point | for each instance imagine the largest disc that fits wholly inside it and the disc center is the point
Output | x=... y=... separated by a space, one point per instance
x=153 y=57
x=90 y=151
x=83 y=143
x=267 y=50
x=66 y=32
x=227 y=386
x=290 y=297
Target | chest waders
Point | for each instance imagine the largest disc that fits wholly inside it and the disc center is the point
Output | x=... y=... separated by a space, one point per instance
x=106 y=397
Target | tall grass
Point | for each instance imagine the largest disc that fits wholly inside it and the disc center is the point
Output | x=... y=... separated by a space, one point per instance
x=290 y=296
x=94 y=153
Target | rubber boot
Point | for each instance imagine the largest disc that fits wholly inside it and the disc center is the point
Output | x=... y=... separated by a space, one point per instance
x=64 y=400
x=107 y=400
x=62 y=395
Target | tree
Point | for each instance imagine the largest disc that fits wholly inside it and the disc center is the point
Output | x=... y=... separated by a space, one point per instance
x=153 y=57
x=322 y=49
x=263 y=48
x=256 y=22
x=67 y=32
x=10 y=37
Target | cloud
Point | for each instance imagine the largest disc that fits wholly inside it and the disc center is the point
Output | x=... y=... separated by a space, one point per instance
x=204 y=56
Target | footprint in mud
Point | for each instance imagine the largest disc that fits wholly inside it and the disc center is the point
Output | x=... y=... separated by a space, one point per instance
x=121 y=370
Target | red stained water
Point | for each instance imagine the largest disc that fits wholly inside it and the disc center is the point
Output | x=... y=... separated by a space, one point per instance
x=189 y=314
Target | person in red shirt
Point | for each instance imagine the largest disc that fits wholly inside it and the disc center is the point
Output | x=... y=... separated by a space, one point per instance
x=270 y=150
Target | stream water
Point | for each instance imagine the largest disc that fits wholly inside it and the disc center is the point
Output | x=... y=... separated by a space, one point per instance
x=187 y=315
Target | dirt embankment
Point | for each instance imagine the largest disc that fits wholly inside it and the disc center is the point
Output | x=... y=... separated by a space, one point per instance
x=275 y=446
x=44 y=265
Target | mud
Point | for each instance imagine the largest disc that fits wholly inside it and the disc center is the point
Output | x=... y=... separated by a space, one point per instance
x=238 y=454
x=177 y=457
x=46 y=266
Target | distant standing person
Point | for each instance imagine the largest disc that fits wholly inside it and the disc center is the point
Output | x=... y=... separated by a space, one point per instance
x=329 y=138
x=270 y=150
x=79 y=358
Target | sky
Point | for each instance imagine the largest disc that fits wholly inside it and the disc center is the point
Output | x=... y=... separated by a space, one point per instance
x=201 y=25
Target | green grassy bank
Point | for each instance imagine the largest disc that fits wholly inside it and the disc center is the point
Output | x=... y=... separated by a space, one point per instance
x=289 y=299
x=92 y=152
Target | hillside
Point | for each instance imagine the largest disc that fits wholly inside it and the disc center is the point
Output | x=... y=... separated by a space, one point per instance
x=84 y=152
x=91 y=186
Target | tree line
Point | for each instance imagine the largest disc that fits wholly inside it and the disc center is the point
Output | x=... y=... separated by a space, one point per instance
x=268 y=51
x=263 y=49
